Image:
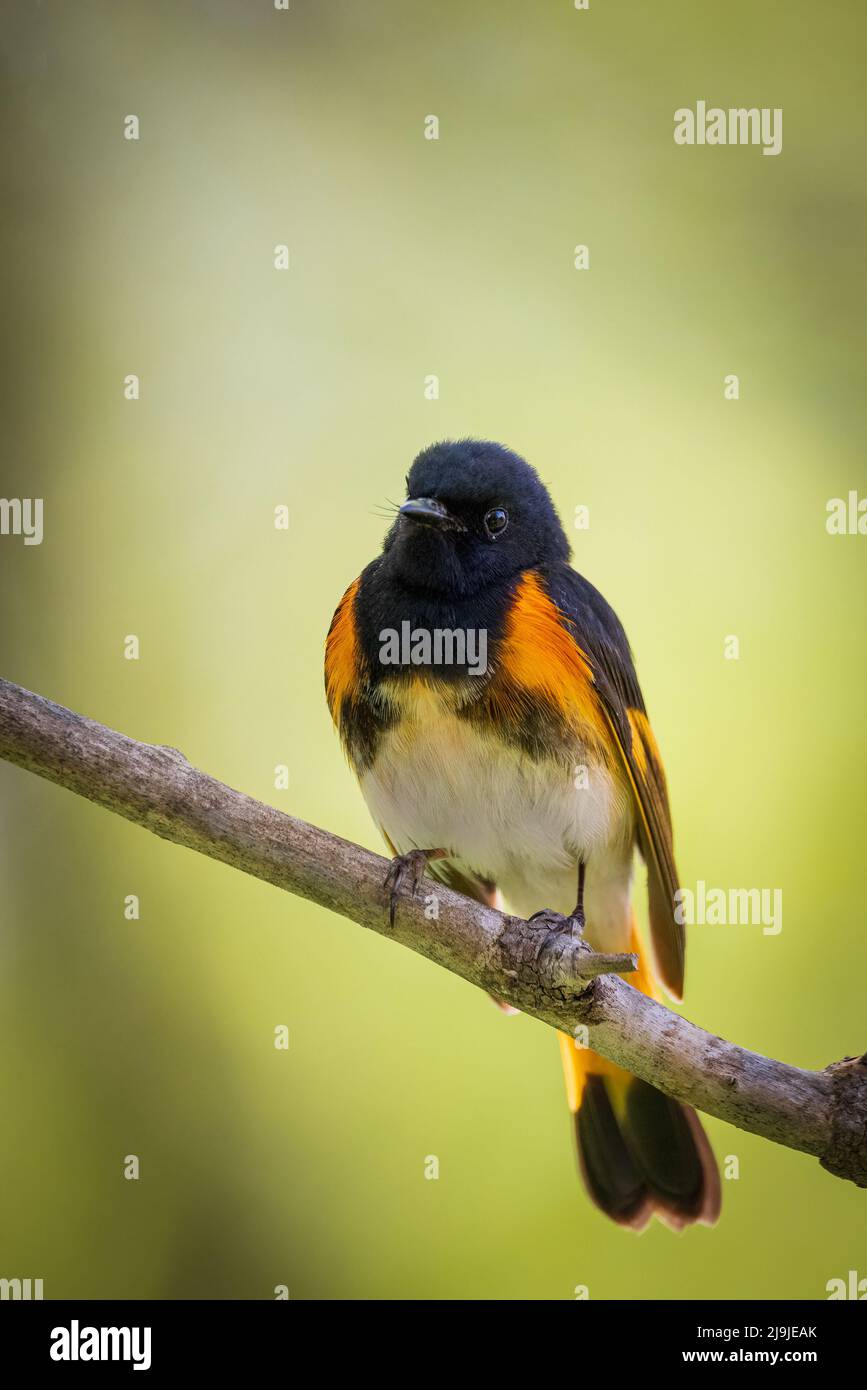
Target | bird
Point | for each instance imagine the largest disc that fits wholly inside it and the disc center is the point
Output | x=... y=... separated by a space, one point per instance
x=503 y=748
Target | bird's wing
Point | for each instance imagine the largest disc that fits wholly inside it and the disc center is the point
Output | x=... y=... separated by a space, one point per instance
x=597 y=632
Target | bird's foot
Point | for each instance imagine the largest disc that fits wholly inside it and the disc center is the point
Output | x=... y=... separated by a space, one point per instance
x=548 y=919
x=406 y=872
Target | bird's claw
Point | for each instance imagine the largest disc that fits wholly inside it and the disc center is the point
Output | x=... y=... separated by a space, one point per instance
x=406 y=871
x=549 y=920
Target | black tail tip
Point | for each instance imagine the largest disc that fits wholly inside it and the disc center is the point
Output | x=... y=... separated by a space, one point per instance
x=645 y=1155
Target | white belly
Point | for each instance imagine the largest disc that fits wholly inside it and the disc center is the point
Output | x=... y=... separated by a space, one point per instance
x=438 y=783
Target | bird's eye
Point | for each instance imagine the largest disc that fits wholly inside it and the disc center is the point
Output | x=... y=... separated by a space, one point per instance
x=496 y=521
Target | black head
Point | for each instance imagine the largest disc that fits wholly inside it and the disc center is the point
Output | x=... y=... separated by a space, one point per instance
x=476 y=515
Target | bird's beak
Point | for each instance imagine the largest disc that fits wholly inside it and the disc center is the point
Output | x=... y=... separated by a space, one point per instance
x=427 y=511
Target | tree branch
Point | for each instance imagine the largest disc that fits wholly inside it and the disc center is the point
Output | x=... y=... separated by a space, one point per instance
x=539 y=970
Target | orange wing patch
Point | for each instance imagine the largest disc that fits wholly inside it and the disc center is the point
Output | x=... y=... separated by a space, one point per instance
x=638 y=724
x=342 y=655
x=643 y=740
x=539 y=655
x=644 y=765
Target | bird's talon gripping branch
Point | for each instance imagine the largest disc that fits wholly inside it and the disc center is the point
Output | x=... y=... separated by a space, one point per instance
x=549 y=920
x=406 y=872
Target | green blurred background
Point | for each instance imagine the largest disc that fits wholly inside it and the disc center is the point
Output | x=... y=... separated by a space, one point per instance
x=258 y=387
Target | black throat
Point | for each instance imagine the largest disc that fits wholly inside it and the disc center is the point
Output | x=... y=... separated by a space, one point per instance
x=386 y=606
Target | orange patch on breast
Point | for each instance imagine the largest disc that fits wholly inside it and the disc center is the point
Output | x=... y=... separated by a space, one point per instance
x=342 y=654
x=539 y=655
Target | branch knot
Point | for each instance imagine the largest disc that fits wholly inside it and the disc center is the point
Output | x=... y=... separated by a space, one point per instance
x=846 y=1154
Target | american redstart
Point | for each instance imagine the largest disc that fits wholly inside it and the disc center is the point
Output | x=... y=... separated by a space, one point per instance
x=487 y=699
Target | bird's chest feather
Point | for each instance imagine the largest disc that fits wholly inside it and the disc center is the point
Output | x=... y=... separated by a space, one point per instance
x=441 y=780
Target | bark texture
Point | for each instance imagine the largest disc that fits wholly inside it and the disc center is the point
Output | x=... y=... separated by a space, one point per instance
x=540 y=970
